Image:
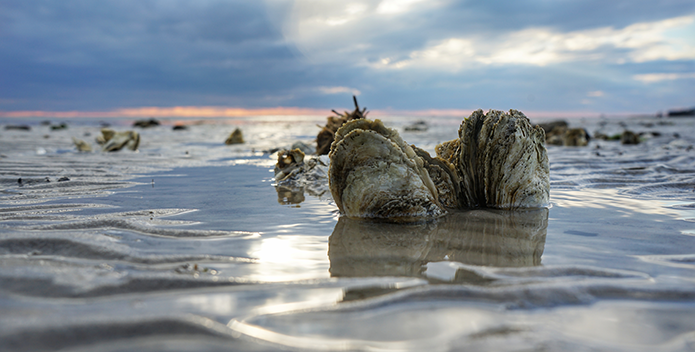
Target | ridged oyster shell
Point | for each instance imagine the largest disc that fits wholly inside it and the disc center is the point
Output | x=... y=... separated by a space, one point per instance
x=501 y=160
x=374 y=174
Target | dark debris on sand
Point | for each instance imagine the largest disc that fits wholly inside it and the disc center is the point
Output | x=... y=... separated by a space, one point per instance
x=333 y=123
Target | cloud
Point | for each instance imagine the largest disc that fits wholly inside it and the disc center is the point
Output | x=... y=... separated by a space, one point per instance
x=658 y=77
x=395 y=6
x=338 y=90
x=77 y=55
x=361 y=32
x=641 y=42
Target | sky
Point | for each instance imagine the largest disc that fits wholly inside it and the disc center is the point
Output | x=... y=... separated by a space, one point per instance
x=235 y=57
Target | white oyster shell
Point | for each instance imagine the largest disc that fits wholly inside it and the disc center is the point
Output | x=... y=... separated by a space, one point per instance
x=374 y=174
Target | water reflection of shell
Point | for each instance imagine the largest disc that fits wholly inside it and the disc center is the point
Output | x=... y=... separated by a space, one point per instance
x=374 y=174
x=359 y=248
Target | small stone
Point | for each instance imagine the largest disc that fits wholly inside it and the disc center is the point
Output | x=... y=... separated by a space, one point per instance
x=629 y=137
x=419 y=126
x=61 y=126
x=151 y=122
x=17 y=128
x=550 y=126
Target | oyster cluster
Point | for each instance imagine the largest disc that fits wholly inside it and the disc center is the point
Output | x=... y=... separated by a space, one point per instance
x=498 y=161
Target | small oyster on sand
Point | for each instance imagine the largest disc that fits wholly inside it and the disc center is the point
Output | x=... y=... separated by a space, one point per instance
x=81 y=145
x=498 y=161
x=290 y=162
x=569 y=137
x=113 y=141
x=235 y=138
x=295 y=175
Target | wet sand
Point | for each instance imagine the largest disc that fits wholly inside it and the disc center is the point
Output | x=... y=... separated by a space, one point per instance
x=187 y=246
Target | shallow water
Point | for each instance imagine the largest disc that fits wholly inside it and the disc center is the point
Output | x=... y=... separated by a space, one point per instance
x=188 y=246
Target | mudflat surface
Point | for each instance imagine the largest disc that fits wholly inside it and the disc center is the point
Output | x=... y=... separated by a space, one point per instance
x=187 y=245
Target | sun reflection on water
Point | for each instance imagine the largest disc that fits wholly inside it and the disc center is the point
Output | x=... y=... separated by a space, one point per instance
x=286 y=258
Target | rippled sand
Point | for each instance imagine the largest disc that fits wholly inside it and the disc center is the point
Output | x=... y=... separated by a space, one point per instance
x=186 y=245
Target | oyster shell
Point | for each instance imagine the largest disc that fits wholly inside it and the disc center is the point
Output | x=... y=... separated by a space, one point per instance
x=235 y=137
x=374 y=174
x=571 y=137
x=113 y=141
x=501 y=161
x=294 y=175
x=289 y=163
x=81 y=145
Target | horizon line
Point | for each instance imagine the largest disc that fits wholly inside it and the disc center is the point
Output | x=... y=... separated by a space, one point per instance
x=222 y=112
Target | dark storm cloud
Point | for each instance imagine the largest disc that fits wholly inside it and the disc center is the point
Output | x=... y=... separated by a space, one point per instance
x=120 y=50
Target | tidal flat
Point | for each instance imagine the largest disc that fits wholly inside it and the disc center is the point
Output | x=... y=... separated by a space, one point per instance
x=188 y=245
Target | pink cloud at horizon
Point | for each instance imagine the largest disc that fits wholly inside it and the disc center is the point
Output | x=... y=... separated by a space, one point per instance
x=218 y=112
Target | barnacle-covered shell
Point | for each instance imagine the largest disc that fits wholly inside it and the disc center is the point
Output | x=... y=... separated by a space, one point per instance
x=501 y=160
x=374 y=174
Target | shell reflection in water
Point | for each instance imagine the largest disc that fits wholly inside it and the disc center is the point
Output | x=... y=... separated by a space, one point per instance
x=361 y=248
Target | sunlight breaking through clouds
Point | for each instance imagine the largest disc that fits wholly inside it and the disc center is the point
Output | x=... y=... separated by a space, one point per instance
x=357 y=42
x=395 y=6
x=640 y=42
